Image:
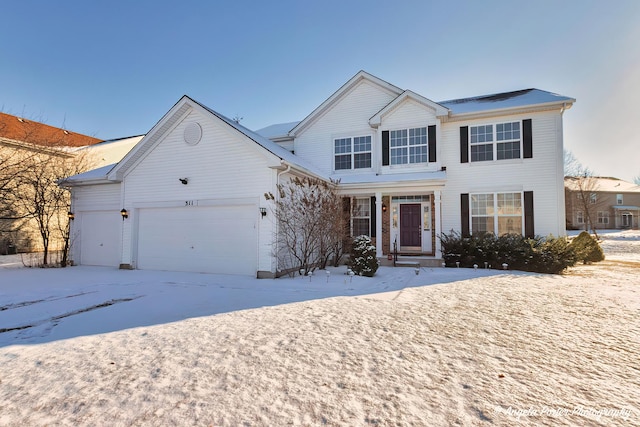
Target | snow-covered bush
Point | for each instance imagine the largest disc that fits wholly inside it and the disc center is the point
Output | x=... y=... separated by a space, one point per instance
x=538 y=254
x=363 y=259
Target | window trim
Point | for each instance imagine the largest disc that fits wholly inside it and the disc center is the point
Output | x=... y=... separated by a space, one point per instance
x=367 y=201
x=352 y=153
x=495 y=142
x=496 y=216
x=603 y=217
x=408 y=146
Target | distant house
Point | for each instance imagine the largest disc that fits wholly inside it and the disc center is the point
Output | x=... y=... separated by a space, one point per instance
x=21 y=139
x=190 y=195
x=611 y=202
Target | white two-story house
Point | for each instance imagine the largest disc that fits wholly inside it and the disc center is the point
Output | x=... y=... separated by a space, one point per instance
x=191 y=192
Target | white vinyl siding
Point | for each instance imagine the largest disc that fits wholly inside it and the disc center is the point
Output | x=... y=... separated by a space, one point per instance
x=225 y=166
x=347 y=118
x=542 y=174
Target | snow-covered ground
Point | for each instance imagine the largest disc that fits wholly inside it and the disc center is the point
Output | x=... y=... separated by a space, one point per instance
x=98 y=346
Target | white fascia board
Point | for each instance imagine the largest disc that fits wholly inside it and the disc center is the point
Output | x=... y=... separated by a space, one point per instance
x=164 y=125
x=562 y=105
x=438 y=109
x=329 y=102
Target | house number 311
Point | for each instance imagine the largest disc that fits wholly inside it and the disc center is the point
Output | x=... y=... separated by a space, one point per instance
x=188 y=203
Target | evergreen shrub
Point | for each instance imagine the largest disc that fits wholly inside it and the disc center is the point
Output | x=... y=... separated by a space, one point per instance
x=363 y=259
x=587 y=248
x=538 y=254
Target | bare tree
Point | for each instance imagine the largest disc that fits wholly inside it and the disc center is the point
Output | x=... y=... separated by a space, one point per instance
x=585 y=187
x=310 y=224
x=572 y=166
x=636 y=180
x=40 y=198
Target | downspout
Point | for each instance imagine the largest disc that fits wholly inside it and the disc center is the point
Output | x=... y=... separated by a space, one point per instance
x=277 y=231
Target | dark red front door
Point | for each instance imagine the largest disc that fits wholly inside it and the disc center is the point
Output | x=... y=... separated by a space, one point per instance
x=410 y=225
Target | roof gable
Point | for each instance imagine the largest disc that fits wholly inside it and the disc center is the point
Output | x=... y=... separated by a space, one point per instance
x=28 y=131
x=438 y=109
x=176 y=114
x=340 y=93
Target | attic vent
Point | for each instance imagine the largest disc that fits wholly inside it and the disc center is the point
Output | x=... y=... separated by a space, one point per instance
x=20 y=119
x=192 y=133
x=66 y=132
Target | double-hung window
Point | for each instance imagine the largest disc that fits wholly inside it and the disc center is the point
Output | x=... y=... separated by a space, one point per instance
x=408 y=146
x=352 y=152
x=603 y=217
x=499 y=213
x=361 y=217
x=501 y=141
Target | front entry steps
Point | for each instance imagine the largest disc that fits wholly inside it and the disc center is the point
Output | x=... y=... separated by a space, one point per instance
x=414 y=264
x=412 y=261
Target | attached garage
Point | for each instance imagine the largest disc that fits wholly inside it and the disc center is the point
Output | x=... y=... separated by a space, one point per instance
x=206 y=239
x=100 y=238
x=192 y=194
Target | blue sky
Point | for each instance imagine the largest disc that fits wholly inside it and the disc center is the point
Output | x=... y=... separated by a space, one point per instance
x=113 y=69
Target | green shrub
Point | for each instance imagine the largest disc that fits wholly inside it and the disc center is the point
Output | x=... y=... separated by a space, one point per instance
x=542 y=255
x=587 y=248
x=363 y=259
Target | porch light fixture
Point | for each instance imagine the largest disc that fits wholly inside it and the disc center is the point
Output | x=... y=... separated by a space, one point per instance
x=384 y=207
x=71 y=215
x=263 y=212
x=124 y=213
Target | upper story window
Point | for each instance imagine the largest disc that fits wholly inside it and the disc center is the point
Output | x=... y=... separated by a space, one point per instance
x=500 y=142
x=408 y=146
x=352 y=153
x=619 y=199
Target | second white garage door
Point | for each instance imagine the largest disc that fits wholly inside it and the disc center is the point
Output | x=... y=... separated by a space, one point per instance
x=212 y=239
x=100 y=238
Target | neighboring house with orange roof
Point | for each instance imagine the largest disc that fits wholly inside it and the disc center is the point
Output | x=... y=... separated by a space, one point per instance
x=24 y=132
x=22 y=140
x=611 y=202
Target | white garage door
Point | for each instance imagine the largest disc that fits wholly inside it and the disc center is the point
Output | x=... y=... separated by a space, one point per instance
x=212 y=239
x=100 y=238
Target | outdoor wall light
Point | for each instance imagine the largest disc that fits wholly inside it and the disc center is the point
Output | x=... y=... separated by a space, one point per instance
x=384 y=207
x=71 y=216
x=124 y=214
x=263 y=212
x=185 y=181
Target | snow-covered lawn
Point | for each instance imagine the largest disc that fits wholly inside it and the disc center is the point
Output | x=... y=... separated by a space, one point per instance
x=98 y=346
